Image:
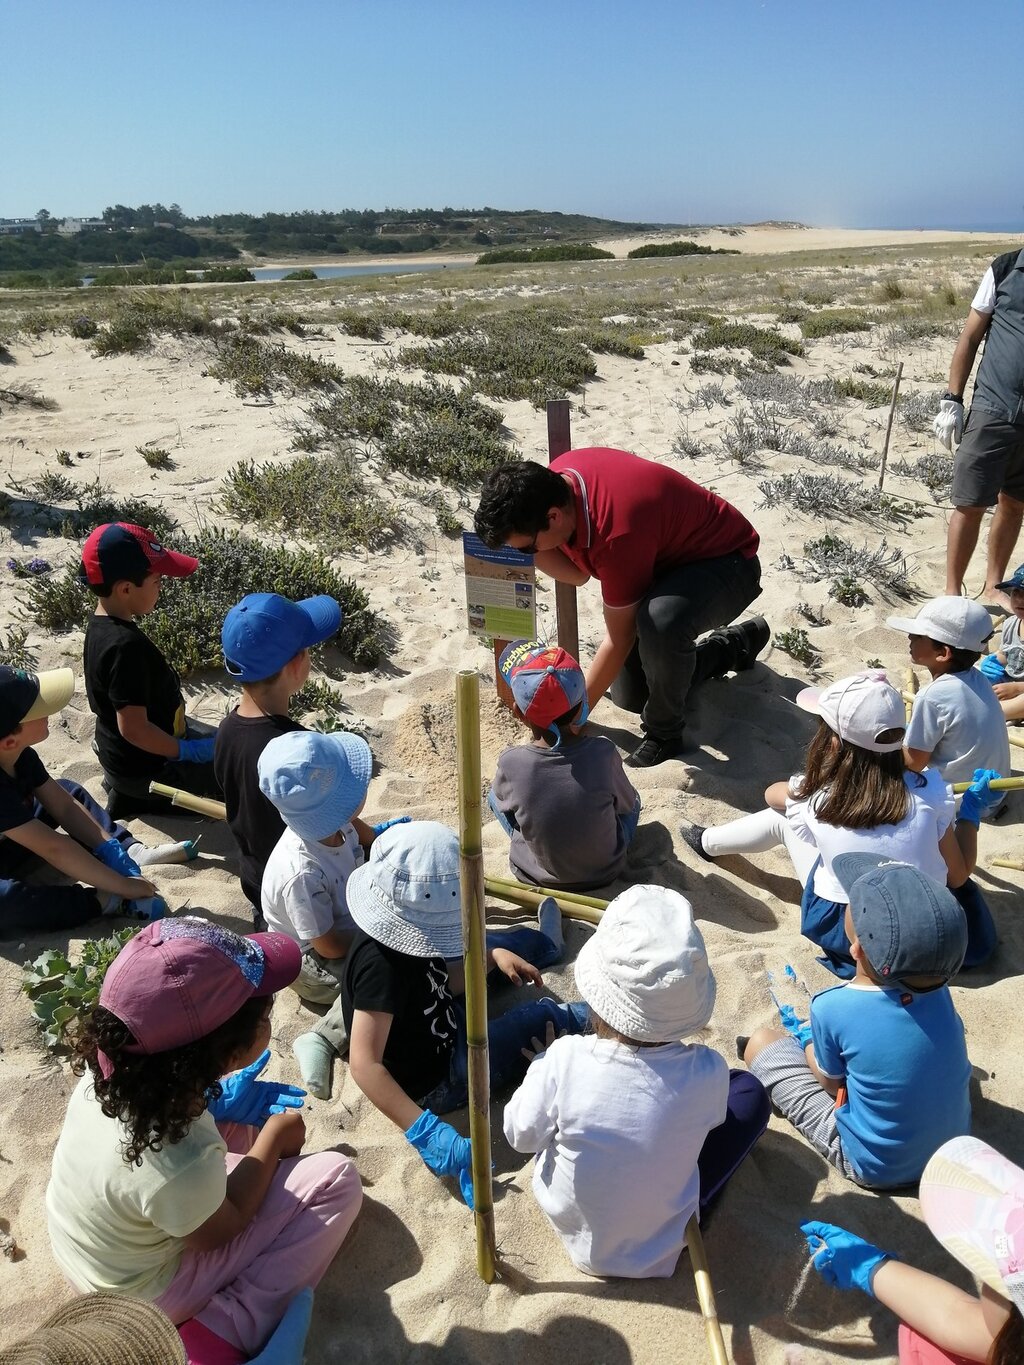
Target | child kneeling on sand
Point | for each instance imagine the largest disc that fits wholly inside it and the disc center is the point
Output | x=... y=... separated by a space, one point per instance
x=402 y=992
x=1005 y=668
x=635 y=1130
x=53 y=828
x=174 y=1181
x=564 y=800
x=879 y=1077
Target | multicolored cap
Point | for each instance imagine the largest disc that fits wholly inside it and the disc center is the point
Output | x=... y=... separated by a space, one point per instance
x=1013 y=583
x=546 y=682
x=119 y=550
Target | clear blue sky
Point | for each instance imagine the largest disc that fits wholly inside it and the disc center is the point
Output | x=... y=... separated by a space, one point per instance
x=835 y=112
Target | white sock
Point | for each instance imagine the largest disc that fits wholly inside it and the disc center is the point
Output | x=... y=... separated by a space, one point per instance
x=315 y=1057
x=144 y=856
x=549 y=917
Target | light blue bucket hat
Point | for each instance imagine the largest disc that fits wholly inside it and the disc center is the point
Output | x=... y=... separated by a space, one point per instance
x=317 y=782
x=407 y=894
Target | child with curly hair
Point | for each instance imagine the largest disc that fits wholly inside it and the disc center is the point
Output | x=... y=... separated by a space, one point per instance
x=173 y=1184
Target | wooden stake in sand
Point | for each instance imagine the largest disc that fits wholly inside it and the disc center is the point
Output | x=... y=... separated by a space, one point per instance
x=566 y=621
x=471 y=877
x=888 y=425
x=705 y=1293
x=202 y=805
x=586 y=908
x=911 y=692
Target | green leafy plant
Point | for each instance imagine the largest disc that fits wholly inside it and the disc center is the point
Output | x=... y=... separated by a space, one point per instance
x=797 y=645
x=14 y=651
x=61 y=991
x=832 y=322
x=849 y=590
x=156 y=457
x=64 y=458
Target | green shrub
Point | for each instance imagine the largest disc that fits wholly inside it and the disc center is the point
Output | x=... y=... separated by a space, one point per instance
x=369 y=326
x=136 y=318
x=833 y=322
x=62 y=992
x=14 y=651
x=528 y=255
x=890 y=290
x=873 y=394
x=764 y=344
x=677 y=249
x=83 y=327
x=796 y=643
x=187 y=621
x=321 y=497
x=303 y=274
x=156 y=457
x=257 y=368
x=24 y=393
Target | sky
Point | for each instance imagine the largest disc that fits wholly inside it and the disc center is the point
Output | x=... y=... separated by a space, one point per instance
x=853 y=113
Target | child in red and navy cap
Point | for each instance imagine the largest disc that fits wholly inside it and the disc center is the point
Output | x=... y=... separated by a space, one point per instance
x=564 y=799
x=142 y=734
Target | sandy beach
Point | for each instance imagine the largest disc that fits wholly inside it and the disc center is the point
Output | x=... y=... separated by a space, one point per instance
x=404 y=1286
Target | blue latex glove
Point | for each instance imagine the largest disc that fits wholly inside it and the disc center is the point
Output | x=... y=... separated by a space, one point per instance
x=992 y=668
x=977 y=799
x=114 y=855
x=793 y=1024
x=195 y=750
x=443 y=1150
x=244 y=1099
x=841 y=1258
x=386 y=824
x=287 y=1345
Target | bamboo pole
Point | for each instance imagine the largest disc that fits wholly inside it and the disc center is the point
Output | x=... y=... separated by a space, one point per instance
x=888 y=425
x=471 y=876
x=530 y=897
x=998 y=784
x=705 y=1293
x=1017 y=740
x=1015 y=863
x=202 y=805
x=911 y=692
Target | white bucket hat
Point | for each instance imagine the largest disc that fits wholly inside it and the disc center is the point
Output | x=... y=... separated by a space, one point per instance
x=859 y=709
x=955 y=621
x=646 y=970
x=407 y=894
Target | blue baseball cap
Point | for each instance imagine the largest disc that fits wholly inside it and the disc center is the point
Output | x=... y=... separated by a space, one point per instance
x=317 y=782
x=265 y=631
x=1017 y=581
x=907 y=924
x=546 y=682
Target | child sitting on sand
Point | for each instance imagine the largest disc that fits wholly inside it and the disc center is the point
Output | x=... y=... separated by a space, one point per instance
x=856 y=795
x=564 y=799
x=402 y=991
x=956 y=725
x=54 y=828
x=142 y=734
x=879 y=1077
x=634 y=1129
x=1005 y=668
x=173 y=1184
x=317 y=783
x=972 y=1200
x=266 y=641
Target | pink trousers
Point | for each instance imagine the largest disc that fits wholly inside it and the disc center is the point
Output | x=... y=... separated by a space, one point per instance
x=918 y=1350
x=240 y=1291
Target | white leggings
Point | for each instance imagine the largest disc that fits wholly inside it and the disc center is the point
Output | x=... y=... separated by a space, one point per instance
x=757 y=834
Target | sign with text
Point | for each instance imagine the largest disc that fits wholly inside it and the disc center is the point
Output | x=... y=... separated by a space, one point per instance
x=501 y=590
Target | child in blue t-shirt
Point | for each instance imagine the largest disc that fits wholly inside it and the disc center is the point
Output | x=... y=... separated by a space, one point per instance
x=878 y=1078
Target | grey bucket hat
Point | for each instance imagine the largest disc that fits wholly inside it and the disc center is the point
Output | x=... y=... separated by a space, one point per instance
x=407 y=894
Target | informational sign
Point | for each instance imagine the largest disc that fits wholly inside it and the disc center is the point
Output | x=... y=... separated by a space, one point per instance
x=501 y=590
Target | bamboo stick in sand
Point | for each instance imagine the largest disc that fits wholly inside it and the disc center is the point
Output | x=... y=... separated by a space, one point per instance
x=202 y=805
x=705 y=1293
x=467 y=706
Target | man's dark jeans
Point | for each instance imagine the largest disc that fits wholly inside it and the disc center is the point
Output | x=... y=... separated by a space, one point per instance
x=666 y=660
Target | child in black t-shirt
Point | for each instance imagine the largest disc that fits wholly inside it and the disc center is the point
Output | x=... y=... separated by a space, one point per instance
x=35 y=810
x=266 y=640
x=403 y=987
x=142 y=734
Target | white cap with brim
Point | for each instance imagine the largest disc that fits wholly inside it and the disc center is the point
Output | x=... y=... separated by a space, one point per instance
x=955 y=621
x=645 y=971
x=407 y=894
x=26 y=696
x=859 y=709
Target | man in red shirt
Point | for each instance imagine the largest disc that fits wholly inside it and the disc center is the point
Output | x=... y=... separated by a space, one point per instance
x=673 y=559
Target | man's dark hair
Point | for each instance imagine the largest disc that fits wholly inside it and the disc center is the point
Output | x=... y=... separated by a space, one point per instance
x=516 y=500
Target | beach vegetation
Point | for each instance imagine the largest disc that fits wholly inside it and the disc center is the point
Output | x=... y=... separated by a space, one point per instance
x=815 y=616
x=678 y=249
x=832 y=322
x=83 y=327
x=766 y=344
x=258 y=369
x=797 y=644
x=156 y=456
x=63 y=992
x=14 y=649
x=832 y=557
x=917 y=410
x=849 y=590
x=28 y=396
x=822 y=495
x=64 y=458
x=302 y=274
x=564 y=251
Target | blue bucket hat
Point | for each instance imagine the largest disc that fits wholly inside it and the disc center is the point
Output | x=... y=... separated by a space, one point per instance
x=265 y=631
x=317 y=782
x=907 y=924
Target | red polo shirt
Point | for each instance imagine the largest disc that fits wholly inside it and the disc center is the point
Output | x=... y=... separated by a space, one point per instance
x=636 y=519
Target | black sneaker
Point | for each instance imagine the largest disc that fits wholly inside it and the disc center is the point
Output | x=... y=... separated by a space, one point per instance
x=650 y=752
x=692 y=835
x=755 y=634
x=742 y=1039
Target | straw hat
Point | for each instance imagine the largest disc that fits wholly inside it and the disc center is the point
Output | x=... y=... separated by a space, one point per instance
x=101 y=1329
x=645 y=971
x=407 y=894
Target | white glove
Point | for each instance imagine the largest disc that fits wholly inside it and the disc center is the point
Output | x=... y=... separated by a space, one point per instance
x=949 y=424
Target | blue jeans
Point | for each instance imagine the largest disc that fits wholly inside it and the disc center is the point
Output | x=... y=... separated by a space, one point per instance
x=627 y=823
x=506 y=1037
x=28 y=908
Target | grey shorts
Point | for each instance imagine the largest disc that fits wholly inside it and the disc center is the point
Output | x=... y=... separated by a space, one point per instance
x=319 y=978
x=989 y=461
x=783 y=1071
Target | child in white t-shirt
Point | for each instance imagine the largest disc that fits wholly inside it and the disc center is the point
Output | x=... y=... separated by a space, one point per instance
x=1005 y=667
x=318 y=784
x=635 y=1131
x=956 y=725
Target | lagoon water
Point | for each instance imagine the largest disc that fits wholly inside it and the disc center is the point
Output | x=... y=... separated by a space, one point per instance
x=337 y=272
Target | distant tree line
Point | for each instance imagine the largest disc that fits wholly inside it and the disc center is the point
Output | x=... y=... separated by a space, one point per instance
x=117 y=246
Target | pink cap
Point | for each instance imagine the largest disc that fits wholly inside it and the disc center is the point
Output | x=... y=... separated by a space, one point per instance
x=859 y=709
x=179 y=979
